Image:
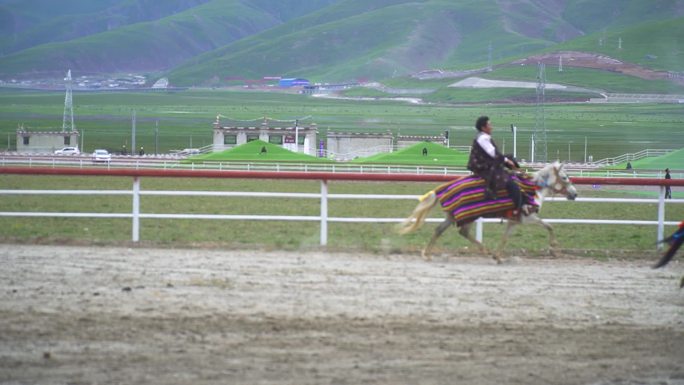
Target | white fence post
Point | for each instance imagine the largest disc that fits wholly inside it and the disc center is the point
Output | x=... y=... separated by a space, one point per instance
x=661 y=216
x=478 y=229
x=324 y=212
x=136 y=209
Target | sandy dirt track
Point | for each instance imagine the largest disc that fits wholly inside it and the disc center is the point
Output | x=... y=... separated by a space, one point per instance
x=90 y=315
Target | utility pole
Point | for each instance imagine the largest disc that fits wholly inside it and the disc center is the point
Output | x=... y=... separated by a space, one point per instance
x=489 y=57
x=133 y=133
x=156 y=137
x=585 y=149
x=560 y=63
x=296 y=135
x=540 y=117
x=515 y=141
x=532 y=150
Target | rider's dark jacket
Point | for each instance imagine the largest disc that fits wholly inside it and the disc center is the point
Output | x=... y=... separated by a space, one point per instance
x=487 y=167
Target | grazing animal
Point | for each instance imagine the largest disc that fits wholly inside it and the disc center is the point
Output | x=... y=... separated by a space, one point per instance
x=464 y=201
x=675 y=241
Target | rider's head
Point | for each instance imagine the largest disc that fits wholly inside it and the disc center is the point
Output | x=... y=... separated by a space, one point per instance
x=481 y=123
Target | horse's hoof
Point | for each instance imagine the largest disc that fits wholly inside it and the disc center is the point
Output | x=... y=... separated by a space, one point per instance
x=511 y=261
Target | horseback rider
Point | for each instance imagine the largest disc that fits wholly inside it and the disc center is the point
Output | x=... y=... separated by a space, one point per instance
x=488 y=163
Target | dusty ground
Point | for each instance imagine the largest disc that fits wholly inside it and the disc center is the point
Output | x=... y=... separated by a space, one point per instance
x=86 y=315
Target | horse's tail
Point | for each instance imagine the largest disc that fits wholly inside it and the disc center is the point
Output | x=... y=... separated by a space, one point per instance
x=417 y=217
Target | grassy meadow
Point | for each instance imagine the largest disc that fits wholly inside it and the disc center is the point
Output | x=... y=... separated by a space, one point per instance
x=592 y=240
x=185 y=119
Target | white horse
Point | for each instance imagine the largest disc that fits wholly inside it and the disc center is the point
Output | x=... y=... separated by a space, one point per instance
x=551 y=179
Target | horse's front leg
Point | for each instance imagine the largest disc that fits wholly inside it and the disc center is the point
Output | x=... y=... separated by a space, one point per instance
x=438 y=232
x=553 y=242
x=465 y=232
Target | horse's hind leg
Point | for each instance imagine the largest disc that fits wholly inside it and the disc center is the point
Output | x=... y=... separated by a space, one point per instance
x=465 y=232
x=438 y=232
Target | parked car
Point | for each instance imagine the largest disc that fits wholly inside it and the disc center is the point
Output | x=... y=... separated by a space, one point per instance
x=102 y=156
x=68 y=151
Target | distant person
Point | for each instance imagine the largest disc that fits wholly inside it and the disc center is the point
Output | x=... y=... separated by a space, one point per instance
x=263 y=150
x=123 y=150
x=425 y=151
x=668 y=189
x=142 y=151
x=629 y=166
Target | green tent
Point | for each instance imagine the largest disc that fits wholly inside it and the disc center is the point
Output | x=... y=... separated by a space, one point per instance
x=256 y=151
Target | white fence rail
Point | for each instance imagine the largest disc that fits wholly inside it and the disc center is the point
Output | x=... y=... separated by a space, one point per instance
x=136 y=163
x=137 y=214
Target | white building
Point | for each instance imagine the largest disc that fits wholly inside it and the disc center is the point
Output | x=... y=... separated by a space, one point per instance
x=294 y=138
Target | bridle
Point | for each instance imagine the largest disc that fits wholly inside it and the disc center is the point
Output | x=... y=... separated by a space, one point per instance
x=558 y=187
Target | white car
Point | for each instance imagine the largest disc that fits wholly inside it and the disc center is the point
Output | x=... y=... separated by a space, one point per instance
x=102 y=156
x=68 y=151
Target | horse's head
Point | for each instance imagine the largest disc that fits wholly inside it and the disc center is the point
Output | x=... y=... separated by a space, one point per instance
x=554 y=178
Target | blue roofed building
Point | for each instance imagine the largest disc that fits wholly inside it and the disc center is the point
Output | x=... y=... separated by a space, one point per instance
x=293 y=82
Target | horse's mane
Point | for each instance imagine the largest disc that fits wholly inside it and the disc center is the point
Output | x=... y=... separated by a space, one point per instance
x=546 y=172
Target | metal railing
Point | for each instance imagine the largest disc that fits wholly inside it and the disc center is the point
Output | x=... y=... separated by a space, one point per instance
x=629 y=157
x=176 y=163
x=323 y=196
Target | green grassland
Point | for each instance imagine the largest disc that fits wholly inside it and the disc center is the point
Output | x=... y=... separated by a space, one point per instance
x=186 y=120
x=596 y=240
x=587 y=78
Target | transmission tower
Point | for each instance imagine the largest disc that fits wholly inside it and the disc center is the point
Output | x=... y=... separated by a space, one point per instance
x=540 y=119
x=68 y=120
x=489 y=57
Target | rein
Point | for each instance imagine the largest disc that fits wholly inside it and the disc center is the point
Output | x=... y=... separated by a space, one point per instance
x=543 y=183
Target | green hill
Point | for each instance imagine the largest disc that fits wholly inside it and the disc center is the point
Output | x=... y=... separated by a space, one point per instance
x=340 y=43
x=158 y=44
x=34 y=22
x=412 y=36
x=253 y=152
x=673 y=161
x=437 y=155
x=658 y=45
x=219 y=42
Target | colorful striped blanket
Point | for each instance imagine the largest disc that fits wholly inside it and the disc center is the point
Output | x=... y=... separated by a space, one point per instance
x=464 y=198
